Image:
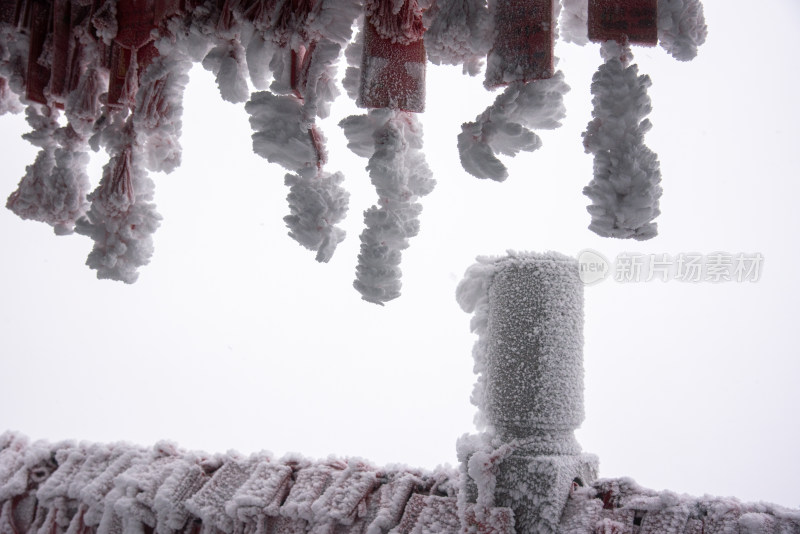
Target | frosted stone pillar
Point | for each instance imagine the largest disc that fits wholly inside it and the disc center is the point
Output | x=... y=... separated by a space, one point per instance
x=529 y=315
x=534 y=358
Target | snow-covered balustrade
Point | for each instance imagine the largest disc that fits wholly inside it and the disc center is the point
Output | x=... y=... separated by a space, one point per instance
x=117 y=69
x=528 y=312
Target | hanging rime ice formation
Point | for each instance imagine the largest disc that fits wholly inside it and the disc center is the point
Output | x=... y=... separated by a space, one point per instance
x=533 y=97
x=392 y=84
x=626 y=187
x=118 y=68
x=301 y=43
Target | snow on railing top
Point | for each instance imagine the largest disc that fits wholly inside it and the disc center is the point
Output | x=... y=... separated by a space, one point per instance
x=117 y=69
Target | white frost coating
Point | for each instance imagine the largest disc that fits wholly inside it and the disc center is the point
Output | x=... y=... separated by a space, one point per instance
x=528 y=309
x=574 y=21
x=458 y=33
x=472 y=294
x=626 y=185
x=262 y=494
x=508 y=404
x=333 y=20
x=105 y=21
x=504 y=128
x=54 y=188
x=209 y=503
x=320 y=80
x=681 y=27
x=308 y=487
x=348 y=491
x=258 y=53
x=122 y=217
x=227 y=62
x=92 y=495
x=284 y=133
x=169 y=507
x=83 y=107
x=71 y=488
x=613 y=503
x=400 y=174
x=317 y=203
x=9 y=101
x=159 y=107
x=393 y=496
x=13 y=63
x=399 y=21
x=353 y=54
x=280 y=133
x=482 y=467
x=438 y=516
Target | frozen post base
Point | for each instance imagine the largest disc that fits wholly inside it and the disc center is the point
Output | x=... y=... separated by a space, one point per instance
x=533 y=391
x=624 y=21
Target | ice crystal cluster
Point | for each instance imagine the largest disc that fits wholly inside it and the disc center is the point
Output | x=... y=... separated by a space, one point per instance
x=626 y=187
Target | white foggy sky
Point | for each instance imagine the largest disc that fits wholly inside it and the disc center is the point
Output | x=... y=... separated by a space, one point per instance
x=235 y=338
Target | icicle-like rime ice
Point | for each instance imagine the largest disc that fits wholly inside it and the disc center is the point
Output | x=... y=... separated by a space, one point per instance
x=54 y=187
x=284 y=133
x=391 y=82
x=317 y=203
x=400 y=174
x=505 y=126
x=117 y=488
x=626 y=187
x=528 y=312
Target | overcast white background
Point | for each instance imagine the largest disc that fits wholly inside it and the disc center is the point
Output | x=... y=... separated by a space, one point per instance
x=235 y=338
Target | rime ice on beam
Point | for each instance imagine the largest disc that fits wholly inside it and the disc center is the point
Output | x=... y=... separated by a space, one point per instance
x=392 y=83
x=522 y=50
x=521 y=57
x=528 y=311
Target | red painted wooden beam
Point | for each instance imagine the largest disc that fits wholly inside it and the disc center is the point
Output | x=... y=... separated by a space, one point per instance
x=524 y=42
x=624 y=21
